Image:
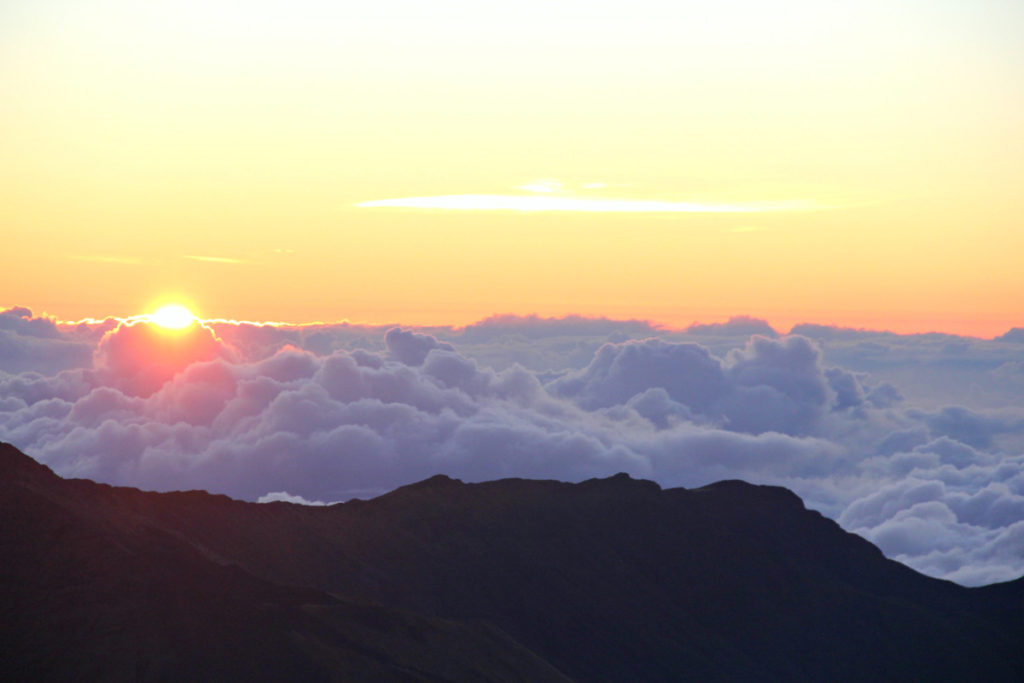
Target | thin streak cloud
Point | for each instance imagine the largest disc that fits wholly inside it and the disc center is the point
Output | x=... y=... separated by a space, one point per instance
x=501 y=202
x=544 y=185
x=214 y=259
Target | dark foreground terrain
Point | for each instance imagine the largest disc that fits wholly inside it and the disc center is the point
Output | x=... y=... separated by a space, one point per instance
x=612 y=579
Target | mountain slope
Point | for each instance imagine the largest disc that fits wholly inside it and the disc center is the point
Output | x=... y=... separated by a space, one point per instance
x=612 y=579
x=91 y=591
x=616 y=579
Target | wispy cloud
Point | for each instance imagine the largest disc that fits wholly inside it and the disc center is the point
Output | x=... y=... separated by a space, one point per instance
x=503 y=202
x=214 y=259
x=543 y=185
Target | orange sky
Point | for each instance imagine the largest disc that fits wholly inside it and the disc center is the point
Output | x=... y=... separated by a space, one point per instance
x=795 y=161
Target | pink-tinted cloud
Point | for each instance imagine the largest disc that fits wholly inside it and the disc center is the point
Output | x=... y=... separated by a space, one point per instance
x=140 y=357
x=330 y=412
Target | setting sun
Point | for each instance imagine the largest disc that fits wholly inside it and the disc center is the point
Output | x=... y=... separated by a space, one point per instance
x=174 y=317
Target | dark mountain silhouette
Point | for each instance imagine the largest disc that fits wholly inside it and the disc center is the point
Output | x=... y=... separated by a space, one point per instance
x=611 y=579
x=92 y=590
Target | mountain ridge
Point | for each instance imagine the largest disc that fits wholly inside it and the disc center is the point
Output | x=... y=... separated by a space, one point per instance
x=606 y=579
x=90 y=591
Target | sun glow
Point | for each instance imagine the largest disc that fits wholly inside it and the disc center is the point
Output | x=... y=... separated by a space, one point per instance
x=173 y=317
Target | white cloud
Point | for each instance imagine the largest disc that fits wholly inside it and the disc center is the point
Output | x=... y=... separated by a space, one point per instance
x=545 y=202
x=285 y=497
x=215 y=259
x=331 y=412
x=543 y=185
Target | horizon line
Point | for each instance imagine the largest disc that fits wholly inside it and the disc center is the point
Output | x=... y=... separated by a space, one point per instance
x=653 y=323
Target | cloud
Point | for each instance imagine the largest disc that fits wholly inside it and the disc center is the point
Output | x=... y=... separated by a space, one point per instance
x=688 y=373
x=546 y=202
x=970 y=427
x=1014 y=336
x=20 y=321
x=946 y=529
x=29 y=343
x=411 y=348
x=535 y=327
x=930 y=370
x=215 y=259
x=260 y=340
x=139 y=357
x=768 y=386
x=742 y=325
x=285 y=497
x=543 y=185
x=330 y=412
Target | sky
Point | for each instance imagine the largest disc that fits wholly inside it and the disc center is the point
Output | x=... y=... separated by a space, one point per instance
x=776 y=241
x=853 y=164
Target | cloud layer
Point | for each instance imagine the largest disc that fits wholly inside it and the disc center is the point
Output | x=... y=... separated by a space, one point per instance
x=332 y=412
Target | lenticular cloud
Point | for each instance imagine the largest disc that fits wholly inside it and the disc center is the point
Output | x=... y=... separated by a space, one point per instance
x=333 y=412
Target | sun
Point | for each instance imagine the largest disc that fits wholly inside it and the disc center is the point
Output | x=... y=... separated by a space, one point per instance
x=173 y=317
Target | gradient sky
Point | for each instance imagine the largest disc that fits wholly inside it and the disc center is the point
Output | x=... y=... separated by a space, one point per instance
x=849 y=163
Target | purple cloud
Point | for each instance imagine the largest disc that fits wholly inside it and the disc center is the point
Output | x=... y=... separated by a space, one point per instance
x=251 y=411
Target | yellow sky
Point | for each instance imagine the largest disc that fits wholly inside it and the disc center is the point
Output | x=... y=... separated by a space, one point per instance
x=850 y=163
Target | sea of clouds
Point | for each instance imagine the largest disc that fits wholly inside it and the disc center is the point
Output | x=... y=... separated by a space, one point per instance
x=915 y=442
